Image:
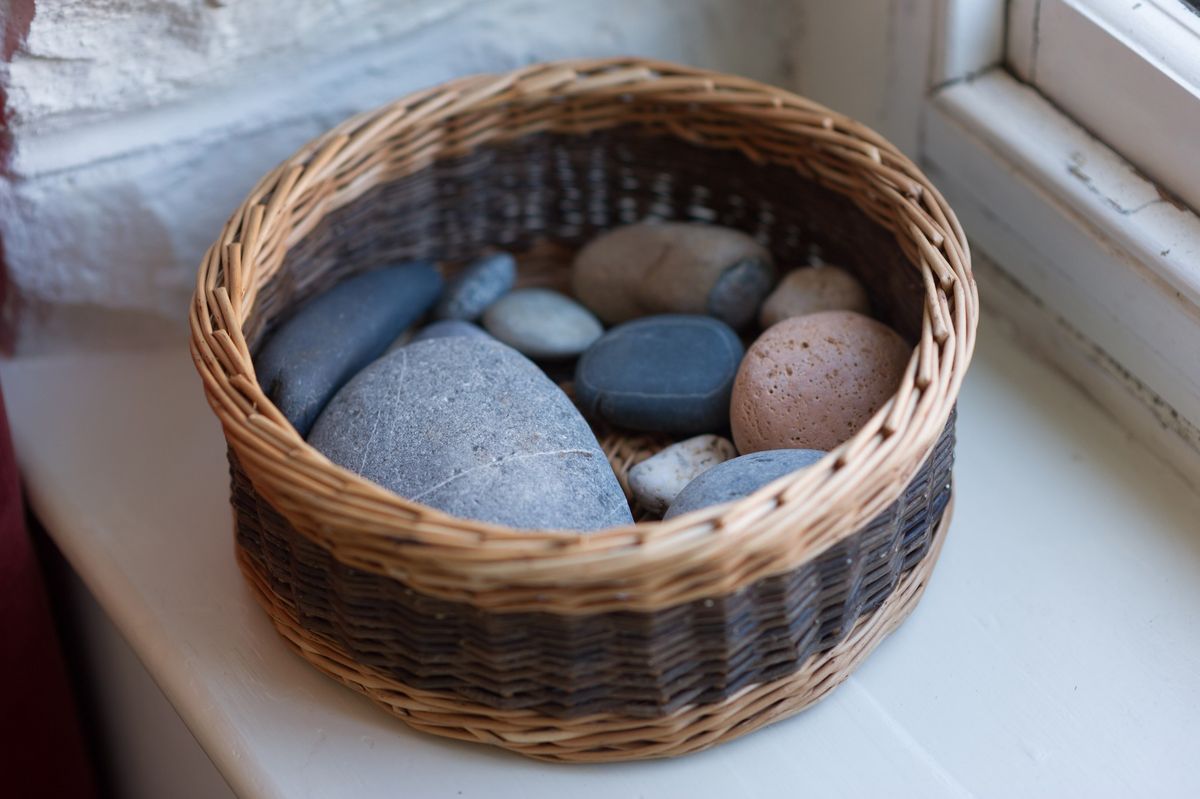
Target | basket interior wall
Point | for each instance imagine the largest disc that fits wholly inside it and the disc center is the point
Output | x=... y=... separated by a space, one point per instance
x=568 y=188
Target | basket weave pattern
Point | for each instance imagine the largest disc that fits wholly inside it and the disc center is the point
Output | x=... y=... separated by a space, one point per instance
x=641 y=664
x=595 y=639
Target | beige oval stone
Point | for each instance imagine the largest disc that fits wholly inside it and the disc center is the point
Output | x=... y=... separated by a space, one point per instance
x=671 y=267
x=811 y=382
x=811 y=290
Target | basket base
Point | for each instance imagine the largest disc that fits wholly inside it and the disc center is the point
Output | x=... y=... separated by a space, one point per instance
x=607 y=737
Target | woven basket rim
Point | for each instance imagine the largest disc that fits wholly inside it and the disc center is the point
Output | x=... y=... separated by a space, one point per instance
x=726 y=546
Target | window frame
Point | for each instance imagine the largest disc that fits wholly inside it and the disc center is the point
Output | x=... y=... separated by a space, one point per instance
x=1140 y=88
x=1061 y=225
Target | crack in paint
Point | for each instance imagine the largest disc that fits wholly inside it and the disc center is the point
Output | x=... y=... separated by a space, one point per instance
x=1076 y=170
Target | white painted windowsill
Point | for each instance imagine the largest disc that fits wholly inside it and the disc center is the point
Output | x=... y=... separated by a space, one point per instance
x=1056 y=652
x=1089 y=240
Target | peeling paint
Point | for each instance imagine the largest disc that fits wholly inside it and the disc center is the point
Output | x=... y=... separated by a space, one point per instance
x=1075 y=168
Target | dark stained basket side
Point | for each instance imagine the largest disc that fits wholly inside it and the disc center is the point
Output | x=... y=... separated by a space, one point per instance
x=639 y=664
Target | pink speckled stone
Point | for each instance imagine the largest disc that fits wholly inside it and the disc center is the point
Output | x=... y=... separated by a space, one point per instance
x=811 y=382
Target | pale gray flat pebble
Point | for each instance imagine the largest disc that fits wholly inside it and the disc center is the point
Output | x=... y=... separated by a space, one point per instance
x=542 y=323
x=656 y=481
x=480 y=284
x=740 y=477
x=471 y=427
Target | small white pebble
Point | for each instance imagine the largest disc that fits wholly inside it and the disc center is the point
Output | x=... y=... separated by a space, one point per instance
x=657 y=480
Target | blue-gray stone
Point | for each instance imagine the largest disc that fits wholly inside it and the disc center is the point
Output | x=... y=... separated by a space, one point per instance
x=671 y=373
x=740 y=477
x=479 y=285
x=473 y=428
x=326 y=341
x=740 y=290
x=447 y=328
x=542 y=323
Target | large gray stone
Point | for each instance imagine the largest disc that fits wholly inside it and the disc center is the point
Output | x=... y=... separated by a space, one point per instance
x=471 y=427
x=446 y=328
x=740 y=477
x=326 y=341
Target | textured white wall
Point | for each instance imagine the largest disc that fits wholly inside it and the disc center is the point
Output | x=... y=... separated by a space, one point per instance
x=140 y=125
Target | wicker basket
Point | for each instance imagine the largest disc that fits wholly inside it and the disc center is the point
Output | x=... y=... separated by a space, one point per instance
x=647 y=641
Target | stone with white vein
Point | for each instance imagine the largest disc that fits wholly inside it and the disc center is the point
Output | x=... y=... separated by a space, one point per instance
x=471 y=427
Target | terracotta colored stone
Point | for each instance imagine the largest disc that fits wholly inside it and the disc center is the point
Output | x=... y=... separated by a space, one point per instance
x=812 y=290
x=683 y=268
x=811 y=382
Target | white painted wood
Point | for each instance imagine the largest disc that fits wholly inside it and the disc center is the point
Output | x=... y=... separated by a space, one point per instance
x=971 y=38
x=1040 y=331
x=1076 y=226
x=870 y=59
x=877 y=60
x=147 y=750
x=1164 y=32
x=1056 y=652
x=1129 y=72
x=1022 y=38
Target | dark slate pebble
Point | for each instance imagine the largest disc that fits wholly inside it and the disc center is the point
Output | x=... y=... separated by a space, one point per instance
x=740 y=477
x=473 y=428
x=479 y=285
x=447 y=328
x=671 y=373
x=739 y=291
x=331 y=337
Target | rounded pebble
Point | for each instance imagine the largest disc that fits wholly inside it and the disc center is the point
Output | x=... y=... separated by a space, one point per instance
x=656 y=481
x=473 y=428
x=811 y=382
x=447 y=328
x=480 y=284
x=673 y=267
x=812 y=290
x=671 y=373
x=740 y=477
x=542 y=323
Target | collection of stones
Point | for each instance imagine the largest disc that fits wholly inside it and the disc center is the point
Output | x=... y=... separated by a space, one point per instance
x=461 y=415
